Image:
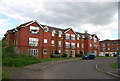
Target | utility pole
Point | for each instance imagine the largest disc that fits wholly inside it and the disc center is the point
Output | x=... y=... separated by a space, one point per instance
x=118 y=61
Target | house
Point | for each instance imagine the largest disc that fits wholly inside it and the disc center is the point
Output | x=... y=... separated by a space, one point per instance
x=40 y=40
x=109 y=47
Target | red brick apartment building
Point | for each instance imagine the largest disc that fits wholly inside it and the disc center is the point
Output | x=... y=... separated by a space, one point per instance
x=109 y=47
x=41 y=40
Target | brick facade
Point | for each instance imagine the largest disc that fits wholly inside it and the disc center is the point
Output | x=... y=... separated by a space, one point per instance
x=109 y=47
x=42 y=40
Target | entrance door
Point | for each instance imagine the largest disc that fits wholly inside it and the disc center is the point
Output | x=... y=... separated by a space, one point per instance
x=73 y=53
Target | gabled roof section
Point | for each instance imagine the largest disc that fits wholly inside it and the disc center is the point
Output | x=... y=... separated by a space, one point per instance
x=30 y=22
x=94 y=35
x=66 y=30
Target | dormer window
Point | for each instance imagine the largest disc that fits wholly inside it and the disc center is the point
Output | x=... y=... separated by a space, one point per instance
x=95 y=39
x=78 y=36
x=90 y=37
x=53 y=32
x=60 y=33
x=46 y=29
x=34 y=30
x=83 y=36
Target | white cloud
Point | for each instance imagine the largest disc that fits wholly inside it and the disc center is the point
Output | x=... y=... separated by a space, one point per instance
x=99 y=18
x=3 y=23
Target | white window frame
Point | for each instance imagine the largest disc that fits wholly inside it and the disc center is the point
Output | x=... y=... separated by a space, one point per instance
x=59 y=43
x=95 y=39
x=44 y=51
x=33 y=41
x=67 y=36
x=78 y=45
x=60 y=33
x=108 y=48
x=45 y=40
x=66 y=51
x=46 y=29
x=33 y=52
x=90 y=45
x=72 y=37
x=82 y=45
x=103 y=45
x=67 y=44
x=52 y=52
x=34 y=30
x=52 y=42
x=73 y=45
x=59 y=51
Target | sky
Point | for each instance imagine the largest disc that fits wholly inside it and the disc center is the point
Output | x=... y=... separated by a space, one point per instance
x=96 y=16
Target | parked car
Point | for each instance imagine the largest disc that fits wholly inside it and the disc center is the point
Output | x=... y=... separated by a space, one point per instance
x=88 y=56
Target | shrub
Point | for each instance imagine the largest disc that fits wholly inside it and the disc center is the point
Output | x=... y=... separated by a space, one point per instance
x=5 y=75
x=81 y=52
x=107 y=55
x=56 y=52
x=81 y=55
x=56 y=56
x=77 y=55
x=64 y=55
x=51 y=56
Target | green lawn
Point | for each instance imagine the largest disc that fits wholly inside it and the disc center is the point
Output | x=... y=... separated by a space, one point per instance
x=12 y=59
x=113 y=65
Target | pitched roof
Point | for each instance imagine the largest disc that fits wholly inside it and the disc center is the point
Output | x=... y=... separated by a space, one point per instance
x=43 y=26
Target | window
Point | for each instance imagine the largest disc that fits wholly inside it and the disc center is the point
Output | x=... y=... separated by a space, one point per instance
x=108 y=44
x=33 y=52
x=60 y=33
x=45 y=40
x=46 y=29
x=67 y=45
x=108 y=48
x=83 y=36
x=52 y=42
x=73 y=45
x=34 y=30
x=113 y=48
x=90 y=37
x=59 y=43
x=103 y=45
x=52 y=52
x=53 y=33
x=33 y=41
x=66 y=51
x=78 y=52
x=78 y=45
x=44 y=51
x=95 y=39
x=78 y=36
x=90 y=45
x=95 y=46
x=72 y=37
x=82 y=45
x=59 y=51
x=67 y=36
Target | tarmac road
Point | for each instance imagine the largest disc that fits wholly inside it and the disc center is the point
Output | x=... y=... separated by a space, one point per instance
x=82 y=69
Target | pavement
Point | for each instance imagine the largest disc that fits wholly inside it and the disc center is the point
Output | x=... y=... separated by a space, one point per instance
x=106 y=68
x=40 y=66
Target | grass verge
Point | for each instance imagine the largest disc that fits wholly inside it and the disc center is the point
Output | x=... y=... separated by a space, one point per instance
x=113 y=65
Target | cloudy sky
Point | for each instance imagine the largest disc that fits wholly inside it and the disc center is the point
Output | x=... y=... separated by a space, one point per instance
x=96 y=16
